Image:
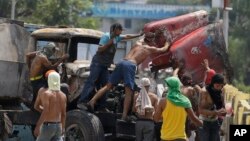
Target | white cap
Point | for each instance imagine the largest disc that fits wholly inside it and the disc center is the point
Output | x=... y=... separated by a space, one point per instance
x=145 y=82
x=54 y=81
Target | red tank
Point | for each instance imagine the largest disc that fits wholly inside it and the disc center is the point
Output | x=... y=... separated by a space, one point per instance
x=172 y=29
x=206 y=42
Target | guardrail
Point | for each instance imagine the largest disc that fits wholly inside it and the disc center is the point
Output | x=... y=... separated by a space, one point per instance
x=240 y=104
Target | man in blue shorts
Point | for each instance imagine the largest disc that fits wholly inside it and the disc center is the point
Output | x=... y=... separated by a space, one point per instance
x=125 y=70
x=101 y=61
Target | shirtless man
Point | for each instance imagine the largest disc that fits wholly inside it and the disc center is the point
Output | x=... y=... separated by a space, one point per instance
x=40 y=64
x=144 y=105
x=211 y=108
x=52 y=105
x=125 y=70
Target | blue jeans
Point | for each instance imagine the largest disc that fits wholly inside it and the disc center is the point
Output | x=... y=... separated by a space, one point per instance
x=125 y=70
x=209 y=131
x=98 y=78
x=50 y=132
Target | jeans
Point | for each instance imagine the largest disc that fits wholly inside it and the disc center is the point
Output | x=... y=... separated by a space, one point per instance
x=209 y=131
x=144 y=130
x=50 y=132
x=97 y=78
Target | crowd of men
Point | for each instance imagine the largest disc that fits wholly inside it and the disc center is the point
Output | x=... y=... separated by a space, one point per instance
x=184 y=105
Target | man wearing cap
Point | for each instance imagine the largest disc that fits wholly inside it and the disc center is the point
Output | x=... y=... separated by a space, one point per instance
x=125 y=71
x=173 y=110
x=40 y=64
x=144 y=105
x=101 y=61
x=51 y=103
x=211 y=108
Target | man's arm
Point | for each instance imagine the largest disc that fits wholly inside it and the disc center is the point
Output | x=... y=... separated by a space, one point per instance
x=154 y=101
x=45 y=112
x=175 y=72
x=29 y=57
x=134 y=102
x=206 y=64
x=159 y=109
x=46 y=63
x=193 y=117
x=63 y=116
x=131 y=36
x=37 y=105
x=158 y=50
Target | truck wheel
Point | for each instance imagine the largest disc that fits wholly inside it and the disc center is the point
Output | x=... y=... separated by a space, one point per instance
x=83 y=126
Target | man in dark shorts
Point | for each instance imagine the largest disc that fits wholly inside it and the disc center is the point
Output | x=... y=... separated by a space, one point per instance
x=101 y=61
x=125 y=70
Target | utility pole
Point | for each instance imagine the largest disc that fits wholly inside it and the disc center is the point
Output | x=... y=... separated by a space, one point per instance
x=226 y=20
x=13 y=7
x=223 y=4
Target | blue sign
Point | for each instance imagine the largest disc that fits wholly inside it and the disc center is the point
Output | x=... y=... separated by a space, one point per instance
x=141 y=11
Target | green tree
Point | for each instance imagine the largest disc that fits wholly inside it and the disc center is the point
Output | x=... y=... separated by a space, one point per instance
x=239 y=41
x=52 y=12
x=5 y=8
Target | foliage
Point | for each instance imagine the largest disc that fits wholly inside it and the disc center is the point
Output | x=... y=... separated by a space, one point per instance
x=5 y=7
x=239 y=41
x=53 y=12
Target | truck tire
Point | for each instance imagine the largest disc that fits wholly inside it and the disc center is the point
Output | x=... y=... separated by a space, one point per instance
x=83 y=126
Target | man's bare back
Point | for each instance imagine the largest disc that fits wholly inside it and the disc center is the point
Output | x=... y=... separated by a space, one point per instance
x=37 y=65
x=56 y=101
x=52 y=105
x=140 y=51
x=154 y=101
x=40 y=63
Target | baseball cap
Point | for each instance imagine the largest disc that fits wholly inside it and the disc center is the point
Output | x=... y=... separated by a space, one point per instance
x=145 y=82
x=48 y=72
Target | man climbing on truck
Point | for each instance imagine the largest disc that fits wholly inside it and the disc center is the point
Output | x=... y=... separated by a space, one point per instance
x=40 y=64
x=125 y=70
x=101 y=61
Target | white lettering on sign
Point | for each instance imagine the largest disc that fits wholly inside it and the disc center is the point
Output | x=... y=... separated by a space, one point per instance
x=240 y=132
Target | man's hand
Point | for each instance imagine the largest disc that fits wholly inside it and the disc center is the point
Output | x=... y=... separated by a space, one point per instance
x=205 y=64
x=65 y=56
x=221 y=112
x=37 y=131
x=141 y=33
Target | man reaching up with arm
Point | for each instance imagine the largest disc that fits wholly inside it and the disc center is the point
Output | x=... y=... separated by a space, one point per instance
x=126 y=70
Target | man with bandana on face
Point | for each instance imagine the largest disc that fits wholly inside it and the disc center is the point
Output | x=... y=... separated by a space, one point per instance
x=39 y=63
x=211 y=108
